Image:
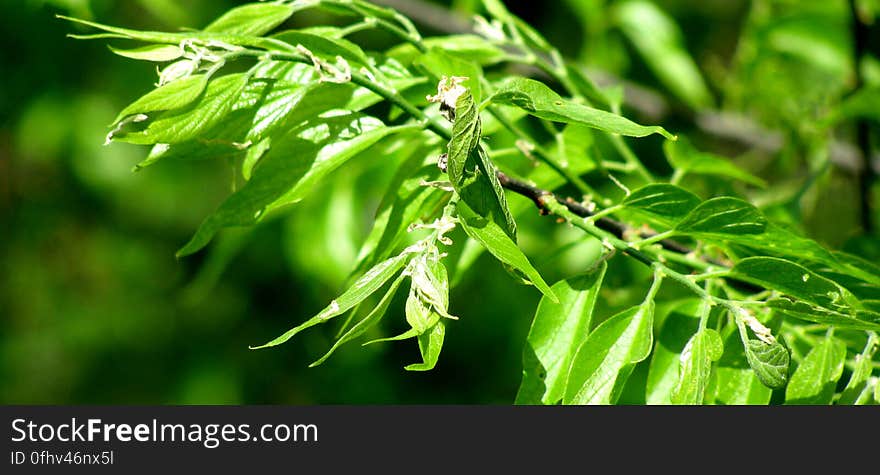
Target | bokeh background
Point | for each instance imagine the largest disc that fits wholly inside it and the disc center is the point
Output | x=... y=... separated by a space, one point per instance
x=95 y=309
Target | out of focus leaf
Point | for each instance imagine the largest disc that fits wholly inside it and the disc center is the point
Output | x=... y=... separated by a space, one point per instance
x=686 y=159
x=659 y=41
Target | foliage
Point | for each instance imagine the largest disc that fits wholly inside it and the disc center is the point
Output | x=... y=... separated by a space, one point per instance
x=742 y=306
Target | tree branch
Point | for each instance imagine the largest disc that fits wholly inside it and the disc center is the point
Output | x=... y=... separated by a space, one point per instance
x=618 y=229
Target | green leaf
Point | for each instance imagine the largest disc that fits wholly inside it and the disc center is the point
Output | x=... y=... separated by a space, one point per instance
x=327 y=48
x=261 y=99
x=696 y=366
x=294 y=163
x=179 y=125
x=431 y=280
x=865 y=103
x=174 y=38
x=858 y=381
x=430 y=344
x=605 y=360
x=679 y=323
x=419 y=313
x=540 y=101
x=405 y=202
x=475 y=48
x=659 y=42
x=663 y=202
x=815 y=379
x=174 y=95
x=360 y=290
x=355 y=141
x=275 y=106
x=411 y=333
x=722 y=217
x=855 y=266
x=876 y=390
x=158 y=53
x=780 y=241
x=254 y=19
x=439 y=63
x=736 y=382
x=557 y=331
x=686 y=159
x=364 y=324
x=769 y=361
x=796 y=281
x=498 y=243
x=472 y=174
x=861 y=320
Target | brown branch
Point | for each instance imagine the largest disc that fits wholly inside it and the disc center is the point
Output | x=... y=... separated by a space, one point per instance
x=619 y=229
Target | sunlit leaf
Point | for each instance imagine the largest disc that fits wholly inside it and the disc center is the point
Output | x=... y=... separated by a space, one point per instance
x=158 y=53
x=736 y=383
x=684 y=158
x=472 y=174
x=680 y=322
x=860 y=320
x=605 y=360
x=540 y=101
x=498 y=243
x=430 y=344
x=815 y=379
x=174 y=95
x=179 y=125
x=289 y=169
x=364 y=324
x=722 y=217
x=696 y=365
x=661 y=201
x=557 y=331
x=360 y=290
x=796 y=281
x=328 y=49
x=856 y=391
x=253 y=19
x=440 y=63
x=769 y=361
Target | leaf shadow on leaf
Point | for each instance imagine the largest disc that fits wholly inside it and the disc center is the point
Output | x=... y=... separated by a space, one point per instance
x=825 y=393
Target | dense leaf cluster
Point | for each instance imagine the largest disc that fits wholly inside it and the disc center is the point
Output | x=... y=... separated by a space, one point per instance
x=290 y=107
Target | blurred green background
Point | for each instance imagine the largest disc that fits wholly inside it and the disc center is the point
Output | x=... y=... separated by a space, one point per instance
x=96 y=309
